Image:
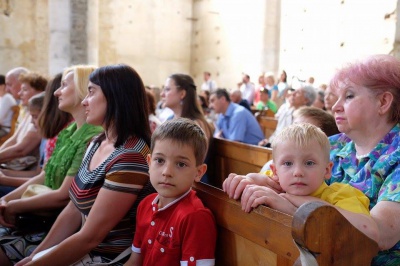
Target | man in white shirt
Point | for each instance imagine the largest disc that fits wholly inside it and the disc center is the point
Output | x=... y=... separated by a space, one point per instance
x=7 y=101
x=13 y=85
x=208 y=84
x=248 y=90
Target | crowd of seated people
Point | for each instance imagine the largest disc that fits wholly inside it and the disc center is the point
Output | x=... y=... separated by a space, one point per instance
x=95 y=125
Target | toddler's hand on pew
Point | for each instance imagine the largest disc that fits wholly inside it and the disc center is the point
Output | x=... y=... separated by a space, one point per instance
x=254 y=196
x=235 y=184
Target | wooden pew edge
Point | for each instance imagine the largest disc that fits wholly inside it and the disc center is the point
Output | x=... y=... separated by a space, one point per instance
x=261 y=210
x=274 y=226
x=316 y=217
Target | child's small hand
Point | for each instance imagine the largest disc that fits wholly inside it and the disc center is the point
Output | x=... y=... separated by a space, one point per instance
x=254 y=195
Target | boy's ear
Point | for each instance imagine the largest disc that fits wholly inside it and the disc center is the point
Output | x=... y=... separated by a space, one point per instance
x=273 y=168
x=201 y=170
x=148 y=158
x=328 y=171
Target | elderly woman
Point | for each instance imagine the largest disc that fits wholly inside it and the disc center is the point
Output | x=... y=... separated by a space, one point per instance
x=366 y=153
x=57 y=174
x=302 y=96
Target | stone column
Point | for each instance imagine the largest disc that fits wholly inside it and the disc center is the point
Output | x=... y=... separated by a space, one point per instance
x=59 y=40
x=396 y=44
x=68 y=35
x=271 y=31
x=78 y=33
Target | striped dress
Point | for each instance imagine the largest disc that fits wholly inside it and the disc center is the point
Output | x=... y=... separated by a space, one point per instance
x=125 y=170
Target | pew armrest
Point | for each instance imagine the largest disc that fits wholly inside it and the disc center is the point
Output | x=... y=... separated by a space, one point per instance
x=326 y=233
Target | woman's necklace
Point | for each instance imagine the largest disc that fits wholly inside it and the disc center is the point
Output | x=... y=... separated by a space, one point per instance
x=359 y=157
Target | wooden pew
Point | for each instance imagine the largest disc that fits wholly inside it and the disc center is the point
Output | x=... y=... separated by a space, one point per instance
x=265 y=236
x=235 y=157
x=267 y=124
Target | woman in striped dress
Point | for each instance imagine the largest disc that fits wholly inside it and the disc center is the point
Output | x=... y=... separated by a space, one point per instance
x=99 y=221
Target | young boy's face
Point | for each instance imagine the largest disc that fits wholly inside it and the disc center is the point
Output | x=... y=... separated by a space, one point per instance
x=300 y=170
x=172 y=168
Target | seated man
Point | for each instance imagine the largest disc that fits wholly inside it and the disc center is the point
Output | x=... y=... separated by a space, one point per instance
x=6 y=104
x=301 y=96
x=234 y=121
x=236 y=97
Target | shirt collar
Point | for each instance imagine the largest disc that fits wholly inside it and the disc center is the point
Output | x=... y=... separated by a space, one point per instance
x=230 y=109
x=319 y=190
x=155 y=201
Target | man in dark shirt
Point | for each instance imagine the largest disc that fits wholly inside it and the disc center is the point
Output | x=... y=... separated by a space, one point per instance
x=236 y=97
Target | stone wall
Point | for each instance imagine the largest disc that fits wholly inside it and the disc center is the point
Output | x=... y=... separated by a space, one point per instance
x=24 y=35
x=225 y=37
x=152 y=36
x=234 y=37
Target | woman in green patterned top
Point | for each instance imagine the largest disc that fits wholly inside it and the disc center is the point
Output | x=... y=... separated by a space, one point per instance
x=58 y=173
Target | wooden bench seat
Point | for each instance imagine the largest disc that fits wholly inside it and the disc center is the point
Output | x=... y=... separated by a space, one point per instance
x=265 y=236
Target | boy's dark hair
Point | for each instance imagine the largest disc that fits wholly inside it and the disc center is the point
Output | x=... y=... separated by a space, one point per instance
x=183 y=131
x=2 y=80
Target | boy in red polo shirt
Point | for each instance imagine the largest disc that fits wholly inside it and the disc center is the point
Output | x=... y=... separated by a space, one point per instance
x=173 y=227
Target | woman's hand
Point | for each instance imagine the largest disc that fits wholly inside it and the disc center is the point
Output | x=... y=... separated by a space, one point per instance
x=254 y=196
x=9 y=214
x=24 y=261
x=263 y=142
x=4 y=215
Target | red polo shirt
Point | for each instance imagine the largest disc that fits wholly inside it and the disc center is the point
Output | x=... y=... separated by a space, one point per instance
x=181 y=233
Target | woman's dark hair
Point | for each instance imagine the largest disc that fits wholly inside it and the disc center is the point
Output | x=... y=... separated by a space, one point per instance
x=190 y=107
x=151 y=101
x=203 y=101
x=51 y=119
x=285 y=79
x=127 y=108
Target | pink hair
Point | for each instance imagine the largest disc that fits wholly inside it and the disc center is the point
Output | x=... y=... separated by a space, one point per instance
x=379 y=73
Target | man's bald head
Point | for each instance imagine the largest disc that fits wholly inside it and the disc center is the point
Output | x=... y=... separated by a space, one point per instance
x=13 y=85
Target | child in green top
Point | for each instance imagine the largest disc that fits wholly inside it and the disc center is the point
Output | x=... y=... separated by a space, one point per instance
x=265 y=102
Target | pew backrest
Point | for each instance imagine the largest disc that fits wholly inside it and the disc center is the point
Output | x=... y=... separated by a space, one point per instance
x=267 y=237
x=267 y=124
x=235 y=157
